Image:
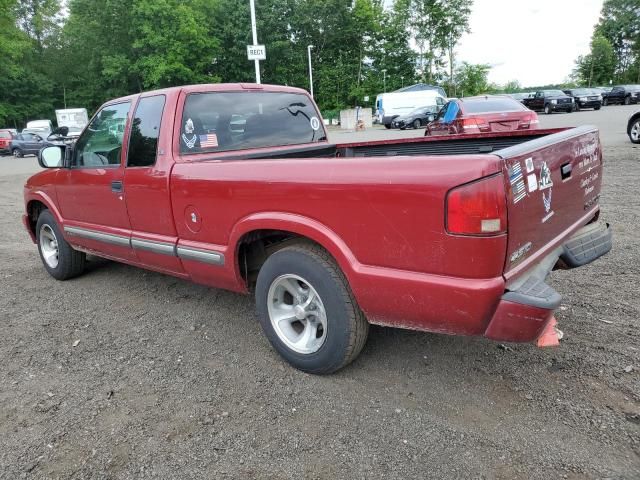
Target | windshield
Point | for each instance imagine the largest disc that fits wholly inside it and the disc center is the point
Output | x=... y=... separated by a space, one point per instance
x=489 y=105
x=581 y=91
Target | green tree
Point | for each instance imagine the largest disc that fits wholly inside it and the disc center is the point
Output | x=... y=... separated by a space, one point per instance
x=597 y=67
x=472 y=79
x=620 y=25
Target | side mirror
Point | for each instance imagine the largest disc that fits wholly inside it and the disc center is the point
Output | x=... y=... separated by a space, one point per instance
x=51 y=157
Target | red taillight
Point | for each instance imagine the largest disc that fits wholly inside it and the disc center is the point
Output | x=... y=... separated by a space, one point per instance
x=474 y=125
x=478 y=208
x=530 y=121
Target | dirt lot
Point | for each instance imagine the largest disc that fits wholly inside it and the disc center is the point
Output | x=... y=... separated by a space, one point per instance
x=173 y=380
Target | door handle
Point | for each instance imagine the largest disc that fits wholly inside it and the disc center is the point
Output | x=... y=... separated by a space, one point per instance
x=116 y=186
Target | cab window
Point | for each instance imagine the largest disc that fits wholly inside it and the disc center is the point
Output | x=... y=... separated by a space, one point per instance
x=100 y=144
x=145 y=130
x=223 y=121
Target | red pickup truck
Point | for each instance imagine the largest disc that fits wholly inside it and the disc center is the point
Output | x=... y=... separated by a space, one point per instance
x=236 y=186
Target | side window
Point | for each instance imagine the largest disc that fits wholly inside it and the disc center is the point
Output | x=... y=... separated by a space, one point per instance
x=442 y=111
x=145 y=129
x=223 y=121
x=439 y=101
x=101 y=142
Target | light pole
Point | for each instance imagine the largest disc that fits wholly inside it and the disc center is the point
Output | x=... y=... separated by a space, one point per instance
x=384 y=79
x=402 y=80
x=309 y=47
x=254 y=32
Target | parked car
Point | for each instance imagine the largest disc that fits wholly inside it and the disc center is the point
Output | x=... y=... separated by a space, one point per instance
x=416 y=119
x=585 y=98
x=6 y=135
x=390 y=106
x=27 y=143
x=550 y=101
x=633 y=127
x=454 y=235
x=521 y=96
x=622 y=95
x=489 y=113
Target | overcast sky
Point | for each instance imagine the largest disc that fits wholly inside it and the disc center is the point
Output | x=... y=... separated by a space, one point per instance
x=535 y=42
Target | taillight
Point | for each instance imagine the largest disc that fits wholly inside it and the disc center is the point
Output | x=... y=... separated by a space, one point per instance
x=470 y=125
x=530 y=121
x=478 y=208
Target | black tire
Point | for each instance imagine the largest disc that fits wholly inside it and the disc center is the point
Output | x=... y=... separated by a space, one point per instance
x=597 y=107
x=547 y=109
x=16 y=152
x=387 y=126
x=635 y=123
x=605 y=102
x=417 y=123
x=347 y=327
x=71 y=262
x=627 y=100
x=576 y=107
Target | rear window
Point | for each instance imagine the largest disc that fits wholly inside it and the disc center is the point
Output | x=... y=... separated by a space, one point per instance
x=482 y=105
x=5 y=135
x=223 y=121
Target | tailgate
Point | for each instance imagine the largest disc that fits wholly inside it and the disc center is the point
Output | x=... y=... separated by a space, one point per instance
x=553 y=188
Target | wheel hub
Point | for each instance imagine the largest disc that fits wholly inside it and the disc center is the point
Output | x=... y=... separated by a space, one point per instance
x=297 y=314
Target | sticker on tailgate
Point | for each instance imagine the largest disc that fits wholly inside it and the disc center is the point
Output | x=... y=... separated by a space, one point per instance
x=517 y=182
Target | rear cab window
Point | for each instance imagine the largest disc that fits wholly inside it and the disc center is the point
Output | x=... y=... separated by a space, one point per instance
x=230 y=121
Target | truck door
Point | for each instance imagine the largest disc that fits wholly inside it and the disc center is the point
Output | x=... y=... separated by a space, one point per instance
x=91 y=193
x=146 y=180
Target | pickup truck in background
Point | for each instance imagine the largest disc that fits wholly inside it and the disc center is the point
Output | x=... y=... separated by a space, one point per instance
x=235 y=186
x=550 y=101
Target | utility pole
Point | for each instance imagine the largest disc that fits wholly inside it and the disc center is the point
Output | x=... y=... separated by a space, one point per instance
x=384 y=79
x=309 y=47
x=254 y=31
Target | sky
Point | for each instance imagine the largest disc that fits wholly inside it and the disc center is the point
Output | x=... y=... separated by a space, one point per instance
x=533 y=41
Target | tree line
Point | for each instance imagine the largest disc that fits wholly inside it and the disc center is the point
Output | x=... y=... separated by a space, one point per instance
x=614 y=55
x=79 y=53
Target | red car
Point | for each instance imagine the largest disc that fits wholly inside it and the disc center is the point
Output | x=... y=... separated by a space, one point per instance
x=6 y=136
x=489 y=113
x=235 y=186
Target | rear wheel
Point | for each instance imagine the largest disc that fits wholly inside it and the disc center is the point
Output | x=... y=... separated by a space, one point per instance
x=576 y=107
x=634 y=131
x=17 y=153
x=605 y=102
x=307 y=310
x=627 y=100
x=417 y=123
x=58 y=257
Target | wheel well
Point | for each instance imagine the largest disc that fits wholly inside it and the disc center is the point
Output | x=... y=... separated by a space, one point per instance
x=255 y=247
x=631 y=120
x=34 y=208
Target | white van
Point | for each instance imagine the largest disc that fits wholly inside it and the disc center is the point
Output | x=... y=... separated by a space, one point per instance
x=42 y=127
x=393 y=104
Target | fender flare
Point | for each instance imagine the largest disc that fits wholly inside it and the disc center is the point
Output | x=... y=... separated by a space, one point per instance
x=299 y=225
x=42 y=197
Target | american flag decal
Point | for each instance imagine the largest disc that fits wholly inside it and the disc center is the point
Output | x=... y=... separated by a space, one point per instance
x=517 y=182
x=208 y=140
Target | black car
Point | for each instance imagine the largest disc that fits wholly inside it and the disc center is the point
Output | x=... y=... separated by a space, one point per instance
x=633 y=128
x=585 y=98
x=550 y=101
x=622 y=95
x=415 y=119
x=27 y=144
x=521 y=96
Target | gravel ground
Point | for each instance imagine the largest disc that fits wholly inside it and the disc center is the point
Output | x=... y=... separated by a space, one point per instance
x=123 y=373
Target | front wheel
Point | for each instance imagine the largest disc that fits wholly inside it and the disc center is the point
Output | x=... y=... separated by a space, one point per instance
x=547 y=109
x=307 y=310
x=417 y=123
x=634 y=131
x=387 y=126
x=58 y=257
x=597 y=107
x=17 y=153
x=605 y=102
x=627 y=100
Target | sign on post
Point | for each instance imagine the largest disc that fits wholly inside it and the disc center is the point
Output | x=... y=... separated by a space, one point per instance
x=256 y=52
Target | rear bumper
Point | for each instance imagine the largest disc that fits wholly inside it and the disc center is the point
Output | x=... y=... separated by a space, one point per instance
x=524 y=312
